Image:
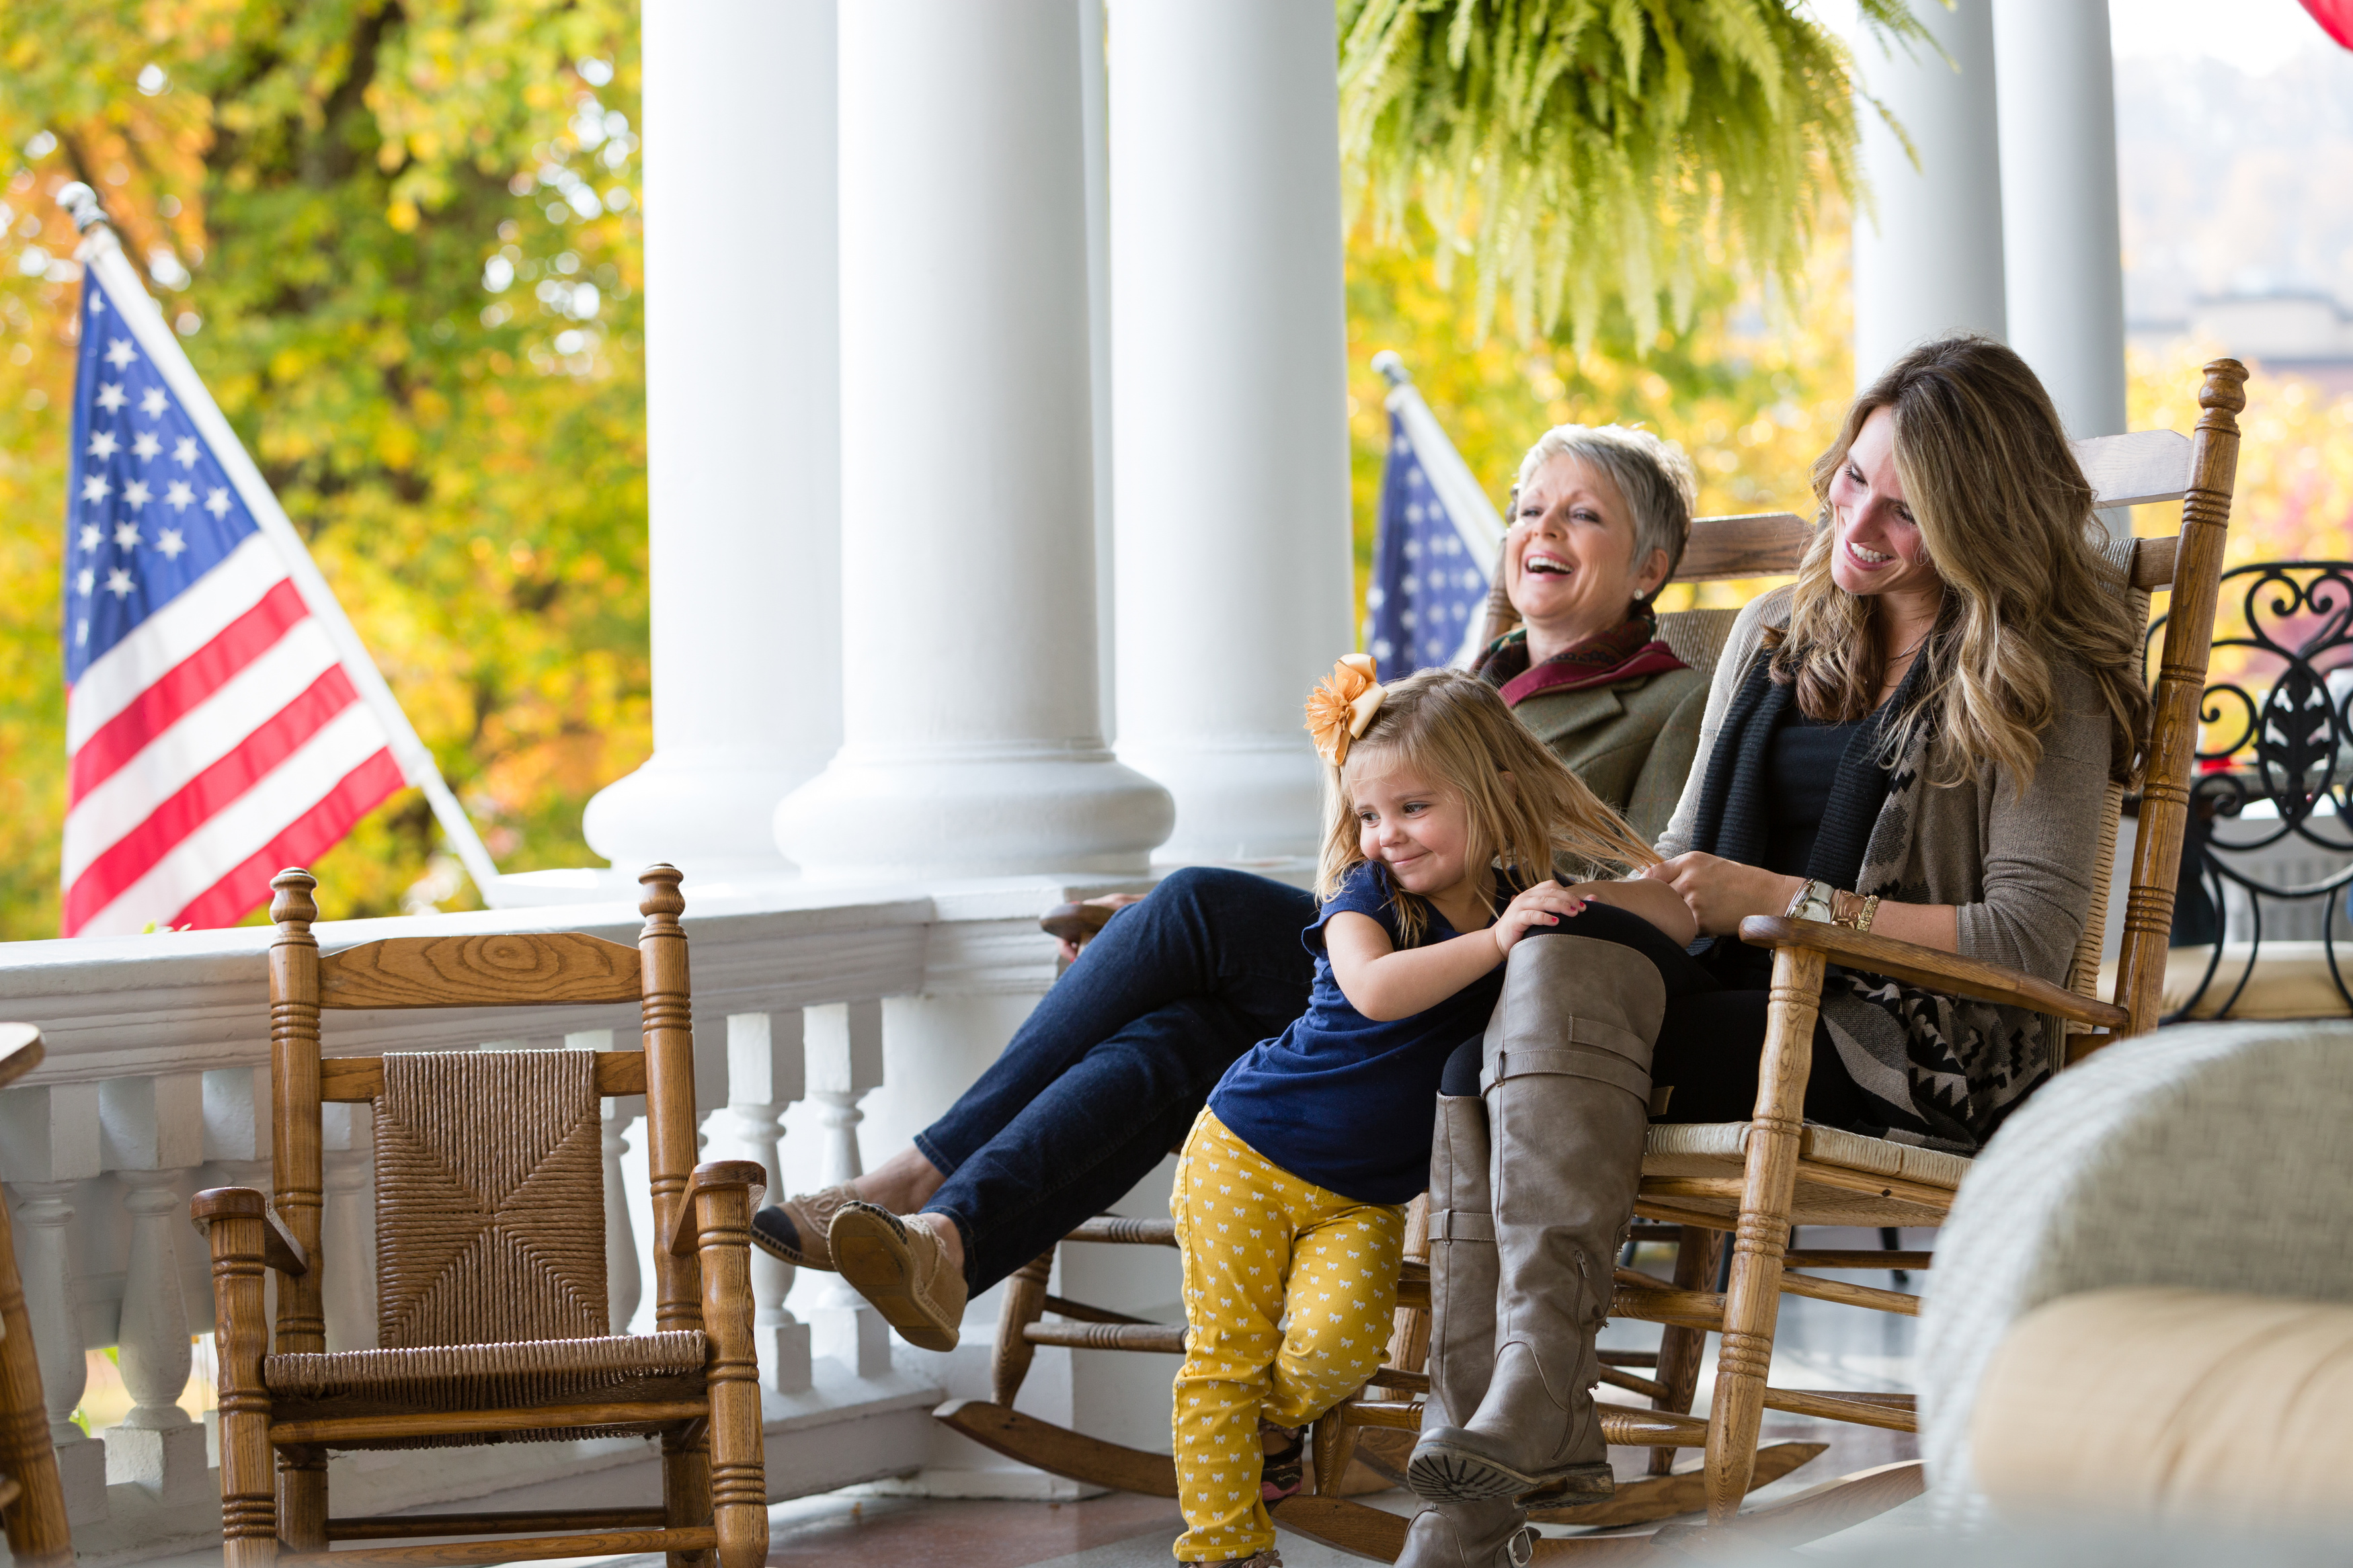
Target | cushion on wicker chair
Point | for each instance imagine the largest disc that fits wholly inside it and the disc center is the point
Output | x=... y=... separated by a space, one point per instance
x=2170 y=1403
x=1704 y=1147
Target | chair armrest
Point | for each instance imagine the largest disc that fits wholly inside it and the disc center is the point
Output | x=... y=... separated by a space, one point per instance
x=686 y=1229
x=279 y=1250
x=1928 y=967
x=20 y=1051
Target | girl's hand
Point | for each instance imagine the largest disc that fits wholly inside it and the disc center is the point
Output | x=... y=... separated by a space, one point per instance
x=1543 y=905
x=1722 y=893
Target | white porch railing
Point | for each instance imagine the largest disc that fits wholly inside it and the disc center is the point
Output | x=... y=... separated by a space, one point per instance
x=156 y=1085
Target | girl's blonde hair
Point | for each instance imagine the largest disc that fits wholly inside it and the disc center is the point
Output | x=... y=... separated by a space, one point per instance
x=1523 y=804
x=2006 y=515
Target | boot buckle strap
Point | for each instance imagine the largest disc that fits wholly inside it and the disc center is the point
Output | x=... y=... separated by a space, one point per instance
x=1462 y=1225
x=1573 y=1061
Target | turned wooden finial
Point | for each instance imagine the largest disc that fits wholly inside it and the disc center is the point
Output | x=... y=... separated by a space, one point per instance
x=2224 y=393
x=661 y=896
x=293 y=907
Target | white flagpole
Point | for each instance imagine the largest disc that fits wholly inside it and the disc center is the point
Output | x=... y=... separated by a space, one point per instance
x=1474 y=517
x=101 y=253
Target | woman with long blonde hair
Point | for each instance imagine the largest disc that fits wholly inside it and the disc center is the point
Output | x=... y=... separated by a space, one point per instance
x=1913 y=739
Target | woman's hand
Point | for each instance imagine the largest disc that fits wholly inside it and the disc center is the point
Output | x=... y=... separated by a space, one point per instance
x=1542 y=905
x=1722 y=893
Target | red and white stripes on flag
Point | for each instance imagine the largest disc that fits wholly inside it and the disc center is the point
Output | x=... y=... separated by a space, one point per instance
x=218 y=742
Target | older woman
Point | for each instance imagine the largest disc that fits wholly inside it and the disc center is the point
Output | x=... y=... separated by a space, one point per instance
x=1913 y=739
x=1104 y=1077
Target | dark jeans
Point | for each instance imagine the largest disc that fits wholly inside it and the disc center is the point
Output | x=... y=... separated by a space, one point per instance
x=1103 y=1079
x=1711 y=1034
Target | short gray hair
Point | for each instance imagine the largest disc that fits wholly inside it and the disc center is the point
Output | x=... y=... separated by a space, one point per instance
x=1654 y=475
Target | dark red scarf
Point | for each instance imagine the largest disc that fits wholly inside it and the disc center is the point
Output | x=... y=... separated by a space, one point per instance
x=1626 y=650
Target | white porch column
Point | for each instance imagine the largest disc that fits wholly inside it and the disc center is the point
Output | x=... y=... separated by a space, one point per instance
x=1230 y=409
x=2061 y=234
x=972 y=737
x=1931 y=260
x=742 y=432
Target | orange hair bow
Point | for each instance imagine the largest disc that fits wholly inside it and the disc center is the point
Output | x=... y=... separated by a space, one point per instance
x=1342 y=706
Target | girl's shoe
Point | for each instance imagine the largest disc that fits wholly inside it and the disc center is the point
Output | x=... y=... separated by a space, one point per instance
x=902 y=1270
x=795 y=1230
x=1270 y=1558
x=1284 y=1470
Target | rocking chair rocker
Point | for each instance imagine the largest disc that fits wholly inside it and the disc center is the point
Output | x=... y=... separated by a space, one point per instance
x=1747 y=1184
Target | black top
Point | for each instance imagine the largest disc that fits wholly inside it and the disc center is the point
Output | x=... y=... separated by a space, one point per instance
x=1801 y=762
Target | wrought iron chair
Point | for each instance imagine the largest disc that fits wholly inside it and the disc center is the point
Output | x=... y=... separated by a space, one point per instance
x=490 y=1259
x=1743 y=1186
x=32 y=1501
x=2267 y=859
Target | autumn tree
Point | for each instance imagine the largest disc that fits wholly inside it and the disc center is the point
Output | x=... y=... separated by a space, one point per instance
x=402 y=243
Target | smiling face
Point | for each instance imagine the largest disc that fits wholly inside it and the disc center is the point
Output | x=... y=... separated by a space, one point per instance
x=1878 y=548
x=1420 y=830
x=1569 y=561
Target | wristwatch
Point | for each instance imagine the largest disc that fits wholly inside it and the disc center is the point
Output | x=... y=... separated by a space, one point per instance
x=1812 y=903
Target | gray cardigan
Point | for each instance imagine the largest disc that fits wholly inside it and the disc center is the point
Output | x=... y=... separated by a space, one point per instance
x=2016 y=863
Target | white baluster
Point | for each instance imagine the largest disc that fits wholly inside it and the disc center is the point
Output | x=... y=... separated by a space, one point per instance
x=49 y=1144
x=845 y=1064
x=151 y=1131
x=623 y=1282
x=346 y=1226
x=765 y=1075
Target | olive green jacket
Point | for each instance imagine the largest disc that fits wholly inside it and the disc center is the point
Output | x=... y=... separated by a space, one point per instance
x=1633 y=742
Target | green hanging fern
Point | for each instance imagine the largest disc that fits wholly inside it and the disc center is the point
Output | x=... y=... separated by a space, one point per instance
x=1587 y=149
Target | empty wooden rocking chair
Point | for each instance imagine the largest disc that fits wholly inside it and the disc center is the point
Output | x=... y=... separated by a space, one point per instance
x=491 y=1310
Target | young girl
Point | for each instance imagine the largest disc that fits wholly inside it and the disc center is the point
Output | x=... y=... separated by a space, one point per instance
x=1445 y=814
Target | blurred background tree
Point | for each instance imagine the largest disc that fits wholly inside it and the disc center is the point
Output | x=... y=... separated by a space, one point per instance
x=401 y=241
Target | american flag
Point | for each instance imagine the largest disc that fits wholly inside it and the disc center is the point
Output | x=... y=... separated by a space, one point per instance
x=1428 y=592
x=215 y=730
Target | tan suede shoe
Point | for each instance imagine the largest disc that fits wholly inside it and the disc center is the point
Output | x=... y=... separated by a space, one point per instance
x=795 y=1230
x=902 y=1270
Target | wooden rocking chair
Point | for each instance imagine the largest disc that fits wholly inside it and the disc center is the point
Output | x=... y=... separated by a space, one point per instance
x=1750 y=1183
x=490 y=1259
x=32 y=1501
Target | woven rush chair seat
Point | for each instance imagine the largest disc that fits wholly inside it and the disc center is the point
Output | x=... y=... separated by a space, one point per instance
x=610 y=1369
x=1703 y=1149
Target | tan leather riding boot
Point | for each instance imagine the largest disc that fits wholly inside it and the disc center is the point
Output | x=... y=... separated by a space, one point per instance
x=1490 y=1533
x=1461 y=1260
x=1568 y=1080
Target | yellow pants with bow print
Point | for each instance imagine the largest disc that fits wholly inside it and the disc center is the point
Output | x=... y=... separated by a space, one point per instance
x=1257 y=1241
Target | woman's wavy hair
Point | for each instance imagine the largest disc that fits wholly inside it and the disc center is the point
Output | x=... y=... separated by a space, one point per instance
x=1524 y=804
x=2006 y=515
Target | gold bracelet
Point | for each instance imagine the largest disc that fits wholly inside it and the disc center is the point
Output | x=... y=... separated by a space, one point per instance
x=1853 y=910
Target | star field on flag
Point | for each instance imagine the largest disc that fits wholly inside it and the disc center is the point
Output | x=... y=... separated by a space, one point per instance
x=1427 y=592
x=213 y=733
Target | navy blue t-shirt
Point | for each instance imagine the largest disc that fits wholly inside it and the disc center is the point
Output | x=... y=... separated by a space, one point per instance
x=1338 y=1099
